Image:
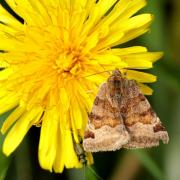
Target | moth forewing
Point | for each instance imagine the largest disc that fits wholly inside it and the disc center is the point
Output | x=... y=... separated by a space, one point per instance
x=122 y=117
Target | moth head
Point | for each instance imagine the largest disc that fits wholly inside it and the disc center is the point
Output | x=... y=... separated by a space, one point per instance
x=115 y=82
x=116 y=72
x=115 y=78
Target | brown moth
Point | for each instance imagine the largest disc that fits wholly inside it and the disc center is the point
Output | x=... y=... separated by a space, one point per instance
x=122 y=117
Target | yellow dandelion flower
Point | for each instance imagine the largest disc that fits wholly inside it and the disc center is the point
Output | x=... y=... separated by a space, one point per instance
x=51 y=68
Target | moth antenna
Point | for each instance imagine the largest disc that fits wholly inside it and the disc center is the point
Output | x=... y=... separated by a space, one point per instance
x=124 y=72
x=104 y=68
x=106 y=71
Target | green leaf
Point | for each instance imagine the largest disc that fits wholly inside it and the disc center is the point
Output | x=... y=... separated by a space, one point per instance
x=148 y=162
x=4 y=161
x=91 y=174
x=85 y=173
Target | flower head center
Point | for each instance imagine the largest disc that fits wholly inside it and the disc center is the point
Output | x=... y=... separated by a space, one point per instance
x=69 y=60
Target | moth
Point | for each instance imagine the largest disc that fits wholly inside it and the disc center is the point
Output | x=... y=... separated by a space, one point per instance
x=122 y=117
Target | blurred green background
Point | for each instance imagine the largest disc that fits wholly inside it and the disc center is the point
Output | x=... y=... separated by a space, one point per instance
x=161 y=163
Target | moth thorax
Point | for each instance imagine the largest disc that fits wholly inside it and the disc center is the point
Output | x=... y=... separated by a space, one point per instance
x=115 y=84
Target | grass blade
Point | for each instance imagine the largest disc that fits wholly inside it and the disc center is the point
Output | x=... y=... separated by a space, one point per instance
x=148 y=162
